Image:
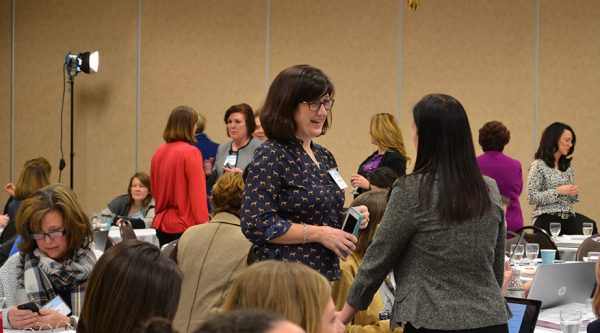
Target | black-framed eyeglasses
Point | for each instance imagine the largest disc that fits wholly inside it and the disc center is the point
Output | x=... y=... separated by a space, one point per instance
x=314 y=106
x=52 y=234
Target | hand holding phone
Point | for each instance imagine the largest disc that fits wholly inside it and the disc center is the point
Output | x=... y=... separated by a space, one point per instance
x=352 y=221
x=29 y=306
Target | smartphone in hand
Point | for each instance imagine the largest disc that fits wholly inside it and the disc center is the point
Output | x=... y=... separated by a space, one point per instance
x=29 y=306
x=352 y=221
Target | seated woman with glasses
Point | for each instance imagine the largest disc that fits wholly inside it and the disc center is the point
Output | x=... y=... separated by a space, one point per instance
x=54 y=259
x=137 y=206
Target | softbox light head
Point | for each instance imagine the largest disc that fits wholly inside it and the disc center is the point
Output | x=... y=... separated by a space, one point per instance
x=86 y=62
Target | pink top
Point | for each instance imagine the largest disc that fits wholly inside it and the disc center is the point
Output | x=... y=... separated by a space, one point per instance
x=178 y=186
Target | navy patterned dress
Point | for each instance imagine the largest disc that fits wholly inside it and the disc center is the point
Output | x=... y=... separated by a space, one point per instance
x=284 y=186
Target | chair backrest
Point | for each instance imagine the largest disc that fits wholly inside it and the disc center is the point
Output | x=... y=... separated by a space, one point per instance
x=511 y=238
x=590 y=244
x=127 y=231
x=169 y=250
x=533 y=234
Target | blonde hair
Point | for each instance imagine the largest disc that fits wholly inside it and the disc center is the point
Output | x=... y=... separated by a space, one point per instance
x=227 y=194
x=292 y=290
x=386 y=132
x=34 y=176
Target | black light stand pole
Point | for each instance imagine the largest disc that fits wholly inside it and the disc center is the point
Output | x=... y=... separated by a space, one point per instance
x=72 y=155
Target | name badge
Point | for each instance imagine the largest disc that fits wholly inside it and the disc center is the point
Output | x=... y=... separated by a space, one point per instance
x=337 y=178
x=230 y=161
x=57 y=304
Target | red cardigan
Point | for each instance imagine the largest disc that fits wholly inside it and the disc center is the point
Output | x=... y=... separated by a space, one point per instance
x=178 y=186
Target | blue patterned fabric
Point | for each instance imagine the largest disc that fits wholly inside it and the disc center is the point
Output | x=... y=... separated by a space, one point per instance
x=284 y=186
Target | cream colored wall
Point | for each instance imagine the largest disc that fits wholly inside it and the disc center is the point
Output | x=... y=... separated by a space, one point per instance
x=5 y=56
x=381 y=56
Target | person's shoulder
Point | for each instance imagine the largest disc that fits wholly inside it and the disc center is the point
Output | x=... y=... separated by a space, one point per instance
x=594 y=327
x=393 y=154
x=9 y=268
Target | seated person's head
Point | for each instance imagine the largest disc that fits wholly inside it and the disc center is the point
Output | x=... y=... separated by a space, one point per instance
x=139 y=189
x=52 y=221
x=34 y=176
x=226 y=196
x=131 y=283
x=376 y=201
x=383 y=177
x=249 y=321
x=292 y=290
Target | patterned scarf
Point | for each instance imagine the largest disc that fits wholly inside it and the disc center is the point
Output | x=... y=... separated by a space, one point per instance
x=41 y=275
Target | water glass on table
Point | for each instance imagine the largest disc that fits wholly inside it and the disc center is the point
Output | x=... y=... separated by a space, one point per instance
x=517 y=253
x=570 y=320
x=531 y=251
x=554 y=230
x=587 y=229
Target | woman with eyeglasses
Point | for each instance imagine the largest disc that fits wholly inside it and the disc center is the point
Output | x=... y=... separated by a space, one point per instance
x=387 y=137
x=292 y=203
x=53 y=263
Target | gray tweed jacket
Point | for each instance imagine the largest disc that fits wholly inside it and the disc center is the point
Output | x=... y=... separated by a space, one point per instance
x=449 y=276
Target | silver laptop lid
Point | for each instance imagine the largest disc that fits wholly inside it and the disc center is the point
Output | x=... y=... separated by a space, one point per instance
x=559 y=284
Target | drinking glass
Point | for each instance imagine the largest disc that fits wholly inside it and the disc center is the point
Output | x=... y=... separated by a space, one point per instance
x=554 y=229
x=587 y=229
x=518 y=253
x=531 y=251
x=570 y=320
x=589 y=308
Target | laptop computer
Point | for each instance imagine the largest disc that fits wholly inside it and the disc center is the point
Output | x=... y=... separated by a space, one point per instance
x=100 y=239
x=559 y=284
x=524 y=314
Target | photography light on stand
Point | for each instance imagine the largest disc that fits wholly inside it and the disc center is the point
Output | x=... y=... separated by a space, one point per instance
x=86 y=62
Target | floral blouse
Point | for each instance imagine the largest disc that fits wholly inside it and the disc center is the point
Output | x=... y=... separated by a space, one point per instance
x=542 y=182
x=284 y=186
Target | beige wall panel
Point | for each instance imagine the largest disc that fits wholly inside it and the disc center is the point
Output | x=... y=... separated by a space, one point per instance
x=205 y=54
x=482 y=53
x=5 y=55
x=104 y=102
x=569 y=81
x=356 y=44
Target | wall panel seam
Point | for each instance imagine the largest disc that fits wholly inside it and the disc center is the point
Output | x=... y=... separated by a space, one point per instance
x=400 y=59
x=267 y=44
x=536 y=59
x=12 y=90
x=138 y=83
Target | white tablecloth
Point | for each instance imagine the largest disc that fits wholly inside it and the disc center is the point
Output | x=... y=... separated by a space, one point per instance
x=147 y=235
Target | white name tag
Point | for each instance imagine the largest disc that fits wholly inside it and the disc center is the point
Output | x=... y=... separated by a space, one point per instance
x=230 y=161
x=337 y=178
x=57 y=304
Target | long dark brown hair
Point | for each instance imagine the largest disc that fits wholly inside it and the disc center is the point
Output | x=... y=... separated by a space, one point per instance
x=549 y=145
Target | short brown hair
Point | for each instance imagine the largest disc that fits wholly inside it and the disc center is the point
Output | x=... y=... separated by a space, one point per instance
x=376 y=201
x=180 y=126
x=145 y=180
x=131 y=283
x=290 y=289
x=493 y=136
x=227 y=194
x=59 y=198
x=294 y=85
x=200 y=123
x=246 y=111
x=34 y=176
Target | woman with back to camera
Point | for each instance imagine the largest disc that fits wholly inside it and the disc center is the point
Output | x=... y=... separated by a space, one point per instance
x=137 y=206
x=292 y=204
x=292 y=290
x=177 y=178
x=594 y=327
x=235 y=155
x=387 y=136
x=55 y=259
x=442 y=233
x=507 y=172
x=551 y=188
x=131 y=283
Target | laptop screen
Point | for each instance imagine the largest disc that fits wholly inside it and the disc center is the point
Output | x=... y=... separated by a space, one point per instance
x=524 y=314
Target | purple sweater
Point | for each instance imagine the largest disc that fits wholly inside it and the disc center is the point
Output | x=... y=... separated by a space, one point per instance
x=507 y=173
